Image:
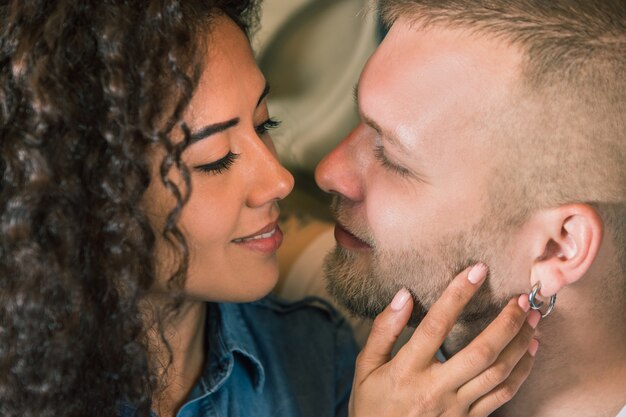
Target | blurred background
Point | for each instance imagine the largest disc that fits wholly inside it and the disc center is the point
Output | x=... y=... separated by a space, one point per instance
x=312 y=52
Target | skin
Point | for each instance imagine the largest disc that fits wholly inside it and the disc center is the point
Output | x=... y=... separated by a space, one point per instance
x=240 y=201
x=223 y=206
x=427 y=96
x=425 y=210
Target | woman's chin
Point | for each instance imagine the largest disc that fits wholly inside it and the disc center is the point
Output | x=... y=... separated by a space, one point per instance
x=246 y=288
x=257 y=291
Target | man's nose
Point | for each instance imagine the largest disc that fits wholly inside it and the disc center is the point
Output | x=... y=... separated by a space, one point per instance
x=270 y=180
x=341 y=171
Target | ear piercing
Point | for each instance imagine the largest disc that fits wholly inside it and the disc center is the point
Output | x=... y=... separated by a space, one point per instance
x=536 y=304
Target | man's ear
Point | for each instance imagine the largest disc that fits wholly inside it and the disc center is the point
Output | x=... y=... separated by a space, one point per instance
x=566 y=245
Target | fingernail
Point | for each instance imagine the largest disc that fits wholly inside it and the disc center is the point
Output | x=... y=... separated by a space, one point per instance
x=477 y=273
x=522 y=301
x=400 y=299
x=532 y=348
x=533 y=318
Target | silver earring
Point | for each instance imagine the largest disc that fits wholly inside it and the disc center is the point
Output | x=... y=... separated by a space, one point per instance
x=537 y=304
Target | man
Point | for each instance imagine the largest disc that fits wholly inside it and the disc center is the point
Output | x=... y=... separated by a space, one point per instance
x=495 y=131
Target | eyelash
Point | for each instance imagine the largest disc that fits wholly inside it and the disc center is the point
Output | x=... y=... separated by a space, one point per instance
x=226 y=162
x=220 y=165
x=379 y=153
x=264 y=127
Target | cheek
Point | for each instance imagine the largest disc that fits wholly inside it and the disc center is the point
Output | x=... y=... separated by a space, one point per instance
x=401 y=214
x=392 y=212
x=210 y=217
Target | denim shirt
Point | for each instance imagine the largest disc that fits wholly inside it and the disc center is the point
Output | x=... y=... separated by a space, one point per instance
x=273 y=358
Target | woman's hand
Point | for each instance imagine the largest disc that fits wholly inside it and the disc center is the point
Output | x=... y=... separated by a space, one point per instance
x=474 y=382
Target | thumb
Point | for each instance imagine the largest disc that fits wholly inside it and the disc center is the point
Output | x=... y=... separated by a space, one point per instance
x=385 y=332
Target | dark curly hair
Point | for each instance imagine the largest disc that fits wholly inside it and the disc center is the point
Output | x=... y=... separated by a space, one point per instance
x=86 y=89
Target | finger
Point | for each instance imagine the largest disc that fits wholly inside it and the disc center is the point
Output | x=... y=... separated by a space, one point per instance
x=497 y=373
x=434 y=328
x=385 y=332
x=504 y=392
x=483 y=351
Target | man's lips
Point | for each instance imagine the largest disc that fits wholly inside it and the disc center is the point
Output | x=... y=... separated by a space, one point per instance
x=348 y=240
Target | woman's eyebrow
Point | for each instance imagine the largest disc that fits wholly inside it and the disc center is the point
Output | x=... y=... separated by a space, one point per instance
x=221 y=126
x=265 y=92
x=212 y=129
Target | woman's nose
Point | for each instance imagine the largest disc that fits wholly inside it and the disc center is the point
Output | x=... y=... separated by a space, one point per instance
x=272 y=181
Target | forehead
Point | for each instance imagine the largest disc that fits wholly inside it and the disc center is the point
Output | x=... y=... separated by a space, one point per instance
x=230 y=78
x=426 y=82
x=227 y=46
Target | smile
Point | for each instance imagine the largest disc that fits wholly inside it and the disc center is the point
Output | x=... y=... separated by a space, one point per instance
x=257 y=237
x=266 y=240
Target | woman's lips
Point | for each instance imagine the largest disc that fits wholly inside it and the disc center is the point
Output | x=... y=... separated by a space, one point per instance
x=266 y=240
x=348 y=240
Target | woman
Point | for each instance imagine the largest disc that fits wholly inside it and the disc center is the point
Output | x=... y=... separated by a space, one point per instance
x=139 y=193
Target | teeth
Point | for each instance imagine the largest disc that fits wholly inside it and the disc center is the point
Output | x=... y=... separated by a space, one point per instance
x=257 y=237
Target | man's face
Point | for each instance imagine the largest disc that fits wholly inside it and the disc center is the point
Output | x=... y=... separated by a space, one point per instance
x=412 y=181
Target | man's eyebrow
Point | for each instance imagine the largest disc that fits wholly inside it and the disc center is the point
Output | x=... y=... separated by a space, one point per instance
x=212 y=129
x=386 y=134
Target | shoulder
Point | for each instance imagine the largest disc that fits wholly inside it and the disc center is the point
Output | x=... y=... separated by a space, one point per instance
x=312 y=307
x=306 y=348
x=310 y=317
x=308 y=322
x=308 y=337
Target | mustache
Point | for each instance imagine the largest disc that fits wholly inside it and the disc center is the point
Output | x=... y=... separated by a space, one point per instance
x=344 y=213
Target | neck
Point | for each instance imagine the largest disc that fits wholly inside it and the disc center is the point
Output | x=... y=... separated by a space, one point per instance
x=580 y=368
x=184 y=333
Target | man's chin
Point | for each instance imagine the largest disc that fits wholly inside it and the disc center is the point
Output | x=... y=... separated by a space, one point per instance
x=347 y=281
x=357 y=304
x=351 y=280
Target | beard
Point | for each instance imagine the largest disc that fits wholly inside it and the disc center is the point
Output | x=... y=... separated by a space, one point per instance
x=366 y=281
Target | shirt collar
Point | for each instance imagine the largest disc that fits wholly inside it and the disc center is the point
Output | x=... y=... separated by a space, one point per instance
x=229 y=339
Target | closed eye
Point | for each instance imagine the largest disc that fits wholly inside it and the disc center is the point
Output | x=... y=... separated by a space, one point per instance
x=379 y=153
x=220 y=165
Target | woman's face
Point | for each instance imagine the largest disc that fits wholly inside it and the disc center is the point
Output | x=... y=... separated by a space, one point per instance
x=230 y=219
